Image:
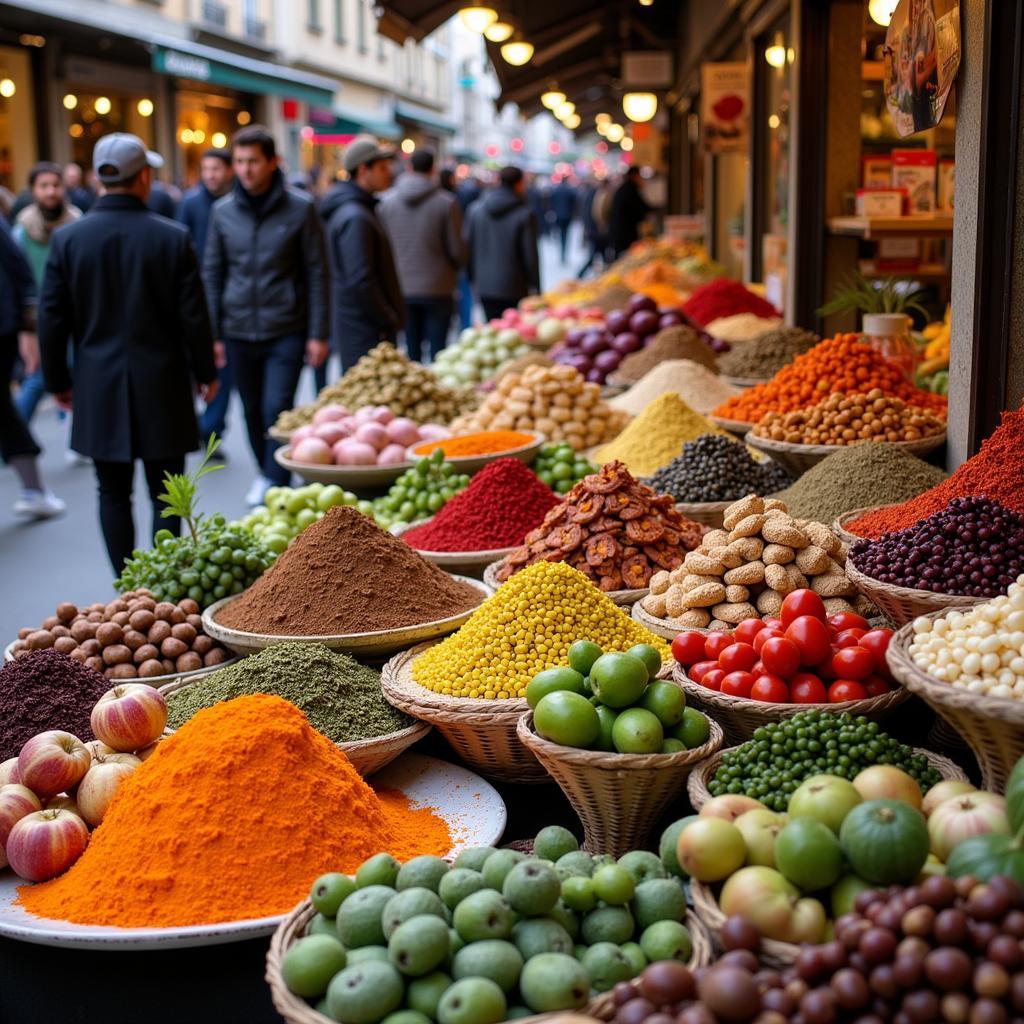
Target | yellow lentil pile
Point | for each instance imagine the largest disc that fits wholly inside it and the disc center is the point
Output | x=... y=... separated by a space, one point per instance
x=528 y=625
x=656 y=436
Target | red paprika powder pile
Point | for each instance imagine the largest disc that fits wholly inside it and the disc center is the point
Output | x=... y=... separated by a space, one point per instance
x=723 y=297
x=501 y=505
x=996 y=472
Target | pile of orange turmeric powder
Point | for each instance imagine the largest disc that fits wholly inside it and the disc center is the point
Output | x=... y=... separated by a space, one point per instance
x=230 y=819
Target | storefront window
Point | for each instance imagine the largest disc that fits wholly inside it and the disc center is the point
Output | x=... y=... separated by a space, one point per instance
x=91 y=115
x=205 y=120
x=17 y=137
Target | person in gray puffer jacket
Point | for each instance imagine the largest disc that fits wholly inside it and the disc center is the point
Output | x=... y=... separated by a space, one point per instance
x=424 y=223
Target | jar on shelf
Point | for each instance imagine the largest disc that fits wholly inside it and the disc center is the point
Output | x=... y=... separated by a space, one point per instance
x=889 y=334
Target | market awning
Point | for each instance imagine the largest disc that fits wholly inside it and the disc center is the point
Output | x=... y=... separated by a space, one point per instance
x=425 y=117
x=342 y=120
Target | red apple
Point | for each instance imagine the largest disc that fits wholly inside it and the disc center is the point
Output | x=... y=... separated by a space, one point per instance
x=97 y=789
x=97 y=749
x=9 y=771
x=52 y=762
x=960 y=817
x=45 y=844
x=887 y=782
x=15 y=802
x=62 y=802
x=129 y=716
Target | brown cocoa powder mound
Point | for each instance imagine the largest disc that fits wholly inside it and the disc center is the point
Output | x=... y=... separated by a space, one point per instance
x=344 y=574
x=679 y=342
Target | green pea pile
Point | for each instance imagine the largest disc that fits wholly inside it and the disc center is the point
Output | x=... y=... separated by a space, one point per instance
x=419 y=492
x=219 y=561
x=780 y=755
x=560 y=466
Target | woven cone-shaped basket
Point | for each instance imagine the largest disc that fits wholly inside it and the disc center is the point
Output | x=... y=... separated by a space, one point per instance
x=482 y=732
x=618 y=797
x=902 y=604
x=702 y=774
x=992 y=726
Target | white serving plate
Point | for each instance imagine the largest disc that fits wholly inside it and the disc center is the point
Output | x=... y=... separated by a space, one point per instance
x=474 y=811
x=525 y=453
x=351 y=478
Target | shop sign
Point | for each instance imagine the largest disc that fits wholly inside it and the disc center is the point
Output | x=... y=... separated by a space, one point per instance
x=725 y=106
x=922 y=57
x=182 y=65
x=649 y=68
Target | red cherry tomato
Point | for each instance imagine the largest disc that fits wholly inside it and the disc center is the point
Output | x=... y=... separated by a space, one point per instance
x=847 y=620
x=845 y=689
x=823 y=670
x=853 y=663
x=774 y=622
x=771 y=688
x=697 y=671
x=807 y=688
x=799 y=603
x=810 y=634
x=758 y=669
x=877 y=642
x=715 y=643
x=712 y=679
x=737 y=658
x=875 y=686
x=764 y=636
x=688 y=648
x=737 y=684
x=747 y=630
x=848 y=638
x=780 y=656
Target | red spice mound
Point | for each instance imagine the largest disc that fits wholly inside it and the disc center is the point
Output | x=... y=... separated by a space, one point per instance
x=996 y=472
x=723 y=297
x=501 y=505
x=842 y=363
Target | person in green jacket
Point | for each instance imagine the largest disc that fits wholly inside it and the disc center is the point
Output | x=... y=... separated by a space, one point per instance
x=32 y=231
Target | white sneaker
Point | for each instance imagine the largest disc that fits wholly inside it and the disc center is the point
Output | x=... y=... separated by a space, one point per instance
x=72 y=458
x=258 y=491
x=39 y=505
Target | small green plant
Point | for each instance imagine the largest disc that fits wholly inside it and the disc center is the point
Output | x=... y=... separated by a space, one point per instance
x=181 y=491
x=887 y=295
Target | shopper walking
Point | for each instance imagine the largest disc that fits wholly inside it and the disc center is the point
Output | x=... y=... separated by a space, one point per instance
x=33 y=229
x=264 y=269
x=468 y=192
x=501 y=234
x=194 y=212
x=563 y=206
x=78 y=191
x=424 y=225
x=366 y=298
x=122 y=284
x=629 y=210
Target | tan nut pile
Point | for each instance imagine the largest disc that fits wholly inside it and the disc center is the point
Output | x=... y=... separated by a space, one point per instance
x=552 y=399
x=849 y=418
x=746 y=569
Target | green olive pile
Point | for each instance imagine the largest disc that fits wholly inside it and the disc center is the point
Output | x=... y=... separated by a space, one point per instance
x=219 y=561
x=780 y=755
x=560 y=466
x=420 y=492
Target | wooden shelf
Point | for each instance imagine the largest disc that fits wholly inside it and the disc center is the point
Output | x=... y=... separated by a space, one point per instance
x=931 y=225
x=926 y=272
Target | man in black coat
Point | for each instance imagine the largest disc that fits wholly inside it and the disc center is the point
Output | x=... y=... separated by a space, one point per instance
x=629 y=210
x=265 y=273
x=123 y=285
x=365 y=293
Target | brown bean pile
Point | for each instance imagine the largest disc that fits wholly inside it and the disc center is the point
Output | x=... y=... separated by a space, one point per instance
x=850 y=418
x=132 y=637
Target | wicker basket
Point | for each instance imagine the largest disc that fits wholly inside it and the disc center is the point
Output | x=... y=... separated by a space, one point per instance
x=743 y=382
x=902 y=604
x=296 y=1010
x=740 y=716
x=798 y=458
x=839 y=526
x=623 y=598
x=710 y=513
x=482 y=732
x=699 y=794
x=664 y=628
x=617 y=797
x=992 y=726
x=739 y=427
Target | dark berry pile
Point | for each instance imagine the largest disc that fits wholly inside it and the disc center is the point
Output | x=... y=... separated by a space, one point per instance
x=974 y=547
x=717 y=468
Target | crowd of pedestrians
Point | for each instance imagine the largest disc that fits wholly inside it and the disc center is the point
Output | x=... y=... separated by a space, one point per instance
x=126 y=300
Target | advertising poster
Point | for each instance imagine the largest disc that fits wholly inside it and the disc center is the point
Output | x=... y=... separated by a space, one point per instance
x=725 y=106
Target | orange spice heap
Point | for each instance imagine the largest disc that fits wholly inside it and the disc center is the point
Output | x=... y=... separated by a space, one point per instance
x=230 y=819
x=842 y=363
x=486 y=442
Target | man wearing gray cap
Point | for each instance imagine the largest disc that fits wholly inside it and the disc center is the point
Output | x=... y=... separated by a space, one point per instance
x=366 y=297
x=123 y=285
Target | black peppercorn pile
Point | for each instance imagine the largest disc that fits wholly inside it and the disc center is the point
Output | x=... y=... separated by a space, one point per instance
x=716 y=468
x=974 y=547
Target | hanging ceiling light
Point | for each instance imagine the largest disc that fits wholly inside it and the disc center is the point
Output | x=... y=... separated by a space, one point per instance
x=552 y=98
x=602 y=118
x=572 y=122
x=775 y=55
x=517 y=52
x=626 y=145
x=7 y=88
x=639 y=106
x=478 y=19
x=499 y=31
x=881 y=11
x=564 y=109
x=615 y=133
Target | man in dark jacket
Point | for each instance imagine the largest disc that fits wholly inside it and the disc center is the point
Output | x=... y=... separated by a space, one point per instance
x=194 y=212
x=424 y=224
x=563 y=206
x=123 y=284
x=366 y=297
x=501 y=234
x=468 y=192
x=629 y=210
x=265 y=273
